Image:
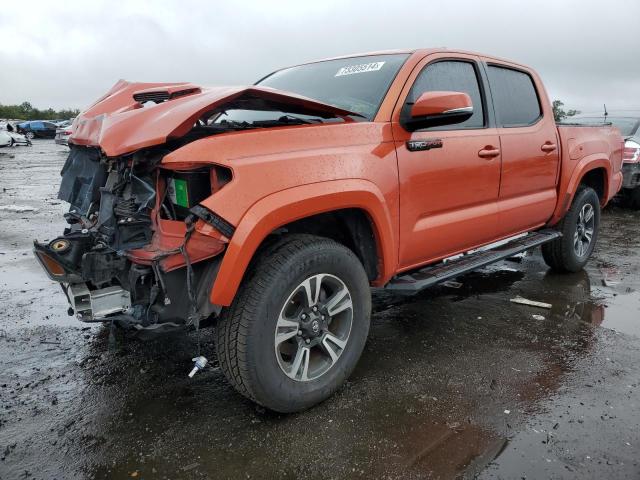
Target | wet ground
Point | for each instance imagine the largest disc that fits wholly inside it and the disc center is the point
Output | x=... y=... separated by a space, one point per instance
x=453 y=382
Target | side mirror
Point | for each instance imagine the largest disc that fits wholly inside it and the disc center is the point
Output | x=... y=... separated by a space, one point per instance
x=433 y=109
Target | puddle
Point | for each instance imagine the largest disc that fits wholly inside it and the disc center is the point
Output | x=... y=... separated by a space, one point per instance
x=622 y=313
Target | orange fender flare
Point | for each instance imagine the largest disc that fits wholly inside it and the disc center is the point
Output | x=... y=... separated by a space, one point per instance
x=286 y=206
x=570 y=185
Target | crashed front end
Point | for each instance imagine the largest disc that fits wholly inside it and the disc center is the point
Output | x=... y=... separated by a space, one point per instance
x=140 y=248
x=136 y=239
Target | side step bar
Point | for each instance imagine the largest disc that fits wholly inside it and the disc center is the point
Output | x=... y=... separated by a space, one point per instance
x=410 y=284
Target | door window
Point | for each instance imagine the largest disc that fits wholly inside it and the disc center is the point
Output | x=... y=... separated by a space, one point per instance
x=455 y=76
x=514 y=97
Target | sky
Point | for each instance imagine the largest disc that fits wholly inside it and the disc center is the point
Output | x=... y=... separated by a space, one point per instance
x=67 y=54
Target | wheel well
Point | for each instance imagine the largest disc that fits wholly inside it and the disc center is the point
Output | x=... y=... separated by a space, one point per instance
x=596 y=179
x=352 y=227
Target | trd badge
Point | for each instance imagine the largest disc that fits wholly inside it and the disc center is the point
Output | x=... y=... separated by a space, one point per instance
x=427 y=144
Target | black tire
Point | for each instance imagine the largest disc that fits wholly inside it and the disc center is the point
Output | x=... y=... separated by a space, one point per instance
x=561 y=254
x=633 y=197
x=245 y=332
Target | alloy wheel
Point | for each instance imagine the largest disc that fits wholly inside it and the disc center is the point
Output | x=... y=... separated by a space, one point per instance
x=313 y=327
x=584 y=230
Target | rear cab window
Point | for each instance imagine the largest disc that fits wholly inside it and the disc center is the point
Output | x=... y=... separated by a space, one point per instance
x=450 y=75
x=515 y=97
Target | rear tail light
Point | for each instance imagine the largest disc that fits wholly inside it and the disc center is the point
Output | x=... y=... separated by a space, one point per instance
x=631 y=153
x=67 y=132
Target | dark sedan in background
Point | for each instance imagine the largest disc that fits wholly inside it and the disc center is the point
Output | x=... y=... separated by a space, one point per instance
x=37 y=129
x=629 y=125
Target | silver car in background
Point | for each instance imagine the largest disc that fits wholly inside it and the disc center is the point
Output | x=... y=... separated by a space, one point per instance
x=63 y=132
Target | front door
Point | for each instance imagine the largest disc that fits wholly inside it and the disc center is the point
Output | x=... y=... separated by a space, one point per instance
x=449 y=176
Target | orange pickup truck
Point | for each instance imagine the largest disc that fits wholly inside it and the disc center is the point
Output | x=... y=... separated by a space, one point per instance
x=273 y=208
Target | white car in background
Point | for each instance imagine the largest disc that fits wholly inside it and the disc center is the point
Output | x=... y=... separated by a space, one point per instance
x=10 y=138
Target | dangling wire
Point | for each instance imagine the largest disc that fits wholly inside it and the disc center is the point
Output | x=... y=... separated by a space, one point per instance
x=193 y=316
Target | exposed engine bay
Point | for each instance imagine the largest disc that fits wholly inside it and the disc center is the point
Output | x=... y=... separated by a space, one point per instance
x=131 y=252
x=137 y=238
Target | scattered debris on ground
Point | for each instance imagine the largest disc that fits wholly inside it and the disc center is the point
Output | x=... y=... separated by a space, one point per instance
x=18 y=208
x=532 y=303
x=611 y=276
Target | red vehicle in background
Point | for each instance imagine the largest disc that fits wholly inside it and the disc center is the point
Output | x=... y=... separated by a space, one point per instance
x=273 y=208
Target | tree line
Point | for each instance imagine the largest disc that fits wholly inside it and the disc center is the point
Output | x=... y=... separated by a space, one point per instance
x=26 y=111
x=559 y=113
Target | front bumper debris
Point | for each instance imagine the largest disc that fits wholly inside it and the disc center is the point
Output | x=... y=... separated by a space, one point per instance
x=97 y=305
x=132 y=252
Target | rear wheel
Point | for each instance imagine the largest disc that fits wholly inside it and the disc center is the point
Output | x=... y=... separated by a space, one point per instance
x=579 y=228
x=298 y=325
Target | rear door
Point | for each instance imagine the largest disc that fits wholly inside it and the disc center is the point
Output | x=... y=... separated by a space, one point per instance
x=448 y=184
x=529 y=146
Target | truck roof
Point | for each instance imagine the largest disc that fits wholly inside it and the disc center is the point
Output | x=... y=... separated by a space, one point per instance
x=418 y=51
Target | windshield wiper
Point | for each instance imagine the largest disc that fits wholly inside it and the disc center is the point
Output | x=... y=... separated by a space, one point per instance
x=293 y=119
x=284 y=120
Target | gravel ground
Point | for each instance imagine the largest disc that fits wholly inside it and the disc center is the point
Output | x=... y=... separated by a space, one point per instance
x=453 y=382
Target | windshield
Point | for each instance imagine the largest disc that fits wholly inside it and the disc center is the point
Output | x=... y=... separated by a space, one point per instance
x=357 y=84
x=626 y=125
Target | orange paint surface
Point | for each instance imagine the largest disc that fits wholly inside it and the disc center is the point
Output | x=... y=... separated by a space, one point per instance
x=480 y=186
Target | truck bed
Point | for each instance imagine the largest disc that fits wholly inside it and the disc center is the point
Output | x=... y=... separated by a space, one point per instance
x=580 y=144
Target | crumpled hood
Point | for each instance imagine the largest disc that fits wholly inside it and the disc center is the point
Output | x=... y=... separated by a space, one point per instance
x=119 y=124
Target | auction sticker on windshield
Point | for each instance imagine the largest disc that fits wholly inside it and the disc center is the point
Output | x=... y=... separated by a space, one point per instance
x=362 y=68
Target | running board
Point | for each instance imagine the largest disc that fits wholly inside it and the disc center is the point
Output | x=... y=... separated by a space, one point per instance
x=410 y=284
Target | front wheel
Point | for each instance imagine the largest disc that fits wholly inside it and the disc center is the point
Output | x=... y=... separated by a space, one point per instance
x=30 y=135
x=298 y=325
x=579 y=228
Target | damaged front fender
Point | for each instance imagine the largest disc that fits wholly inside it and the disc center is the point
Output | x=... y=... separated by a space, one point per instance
x=136 y=222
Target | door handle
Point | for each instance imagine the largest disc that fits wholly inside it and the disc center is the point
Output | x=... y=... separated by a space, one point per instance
x=489 y=152
x=548 y=147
